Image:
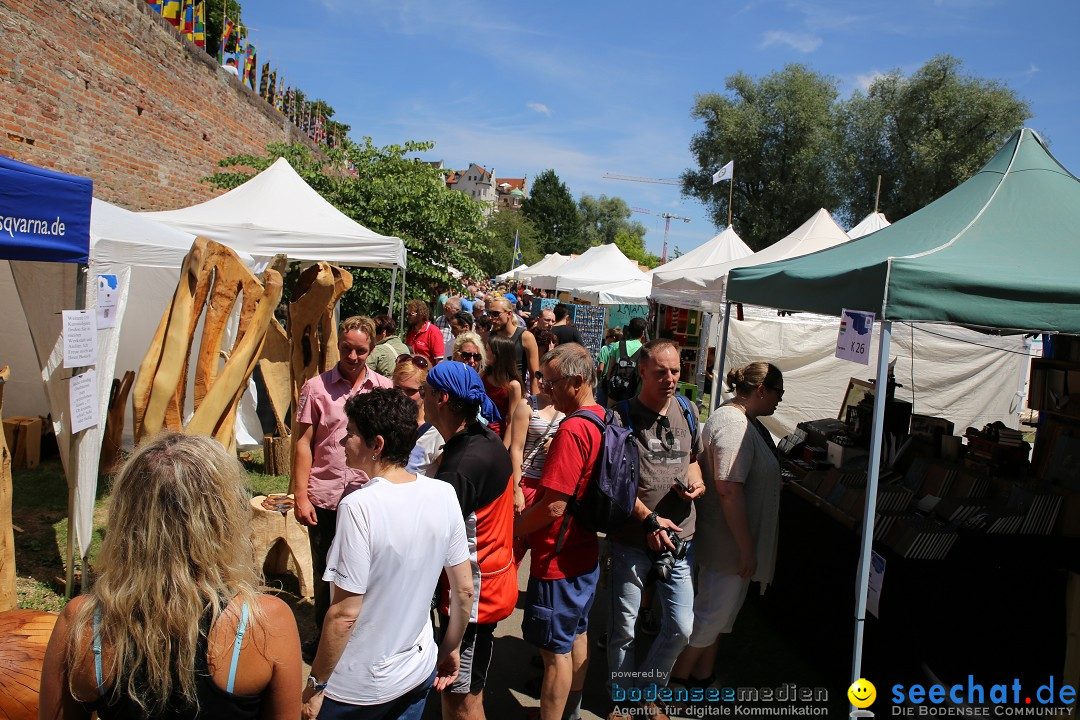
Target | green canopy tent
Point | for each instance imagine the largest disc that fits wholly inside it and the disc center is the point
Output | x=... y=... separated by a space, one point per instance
x=1000 y=251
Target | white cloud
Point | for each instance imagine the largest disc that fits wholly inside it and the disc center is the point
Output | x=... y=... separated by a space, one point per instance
x=539 y=107
x=863 y=81
x=803 y=42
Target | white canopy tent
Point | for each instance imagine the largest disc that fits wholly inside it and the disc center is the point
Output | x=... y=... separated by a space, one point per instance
x=510 y=274
x=276 y=212
x=704 y=287
x=145 y=257
x=871 y=223
x=550 y=263
x=598 y=264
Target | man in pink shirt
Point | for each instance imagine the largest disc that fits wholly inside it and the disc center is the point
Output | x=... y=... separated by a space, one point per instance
x=320 y=478
x=423 y=337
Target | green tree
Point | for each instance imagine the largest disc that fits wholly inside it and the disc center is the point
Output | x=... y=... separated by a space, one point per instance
x=633 y=247
x=392 y=194
x=924 y=135
x=553 y=212
x=215 y=9
x=605 y=217
x=778 y=131
x=501 y=227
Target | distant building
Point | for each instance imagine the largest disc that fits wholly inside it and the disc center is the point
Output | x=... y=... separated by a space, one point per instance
x=477 y=183
x=511 y=192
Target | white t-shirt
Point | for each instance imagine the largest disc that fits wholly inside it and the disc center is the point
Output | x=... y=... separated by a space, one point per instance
x=424 y=458
x=391 y=545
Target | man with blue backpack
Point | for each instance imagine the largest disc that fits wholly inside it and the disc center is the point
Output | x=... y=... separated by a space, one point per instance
x=665 y=428
x=589 y=484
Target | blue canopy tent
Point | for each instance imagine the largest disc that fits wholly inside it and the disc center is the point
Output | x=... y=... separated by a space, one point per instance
x=44 y=215
x=45 y=220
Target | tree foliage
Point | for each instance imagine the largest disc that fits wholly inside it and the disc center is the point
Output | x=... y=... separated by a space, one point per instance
x=603 y=218
x=553 y=212
x=215 y=9
x=391 y=194
x=633 y=247
x=501 y=227
x=924 y=134
x=778 y=131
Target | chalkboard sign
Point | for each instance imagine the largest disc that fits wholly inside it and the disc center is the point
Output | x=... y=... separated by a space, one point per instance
x=589 y=320
x=619 y=316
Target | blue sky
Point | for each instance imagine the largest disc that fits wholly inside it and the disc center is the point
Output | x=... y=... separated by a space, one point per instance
x=589 y=88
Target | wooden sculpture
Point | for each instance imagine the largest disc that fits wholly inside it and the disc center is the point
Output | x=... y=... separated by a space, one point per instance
x=111 y=450
x=24 y=635
x=213 y=277
x=7 y=535
x=277 y=537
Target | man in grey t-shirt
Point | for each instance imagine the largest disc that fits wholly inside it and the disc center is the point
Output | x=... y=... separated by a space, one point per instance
x=669 y=481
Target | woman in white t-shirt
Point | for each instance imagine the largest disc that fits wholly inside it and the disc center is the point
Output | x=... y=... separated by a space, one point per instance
x=395 y=536
x=738 y=518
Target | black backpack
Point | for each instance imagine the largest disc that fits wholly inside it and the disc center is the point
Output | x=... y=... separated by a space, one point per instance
x=612 y=492
x=621 y=379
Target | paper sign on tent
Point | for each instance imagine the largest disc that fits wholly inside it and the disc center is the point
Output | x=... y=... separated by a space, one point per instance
x=853 y=340
x=83 y=395
x=108 y=297
x=80 y=338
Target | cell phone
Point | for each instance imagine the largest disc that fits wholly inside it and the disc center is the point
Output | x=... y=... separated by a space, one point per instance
x=683 y=486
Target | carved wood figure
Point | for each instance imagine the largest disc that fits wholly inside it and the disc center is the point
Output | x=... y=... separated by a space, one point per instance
x=24 y=634
x=212 y=277
x=111 y=450
x=7 y=536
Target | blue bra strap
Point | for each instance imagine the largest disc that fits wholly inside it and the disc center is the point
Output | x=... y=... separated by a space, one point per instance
x=97 y=651
x=240 y=630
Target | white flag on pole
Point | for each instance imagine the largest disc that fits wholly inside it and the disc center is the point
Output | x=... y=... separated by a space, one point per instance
x=725 y=173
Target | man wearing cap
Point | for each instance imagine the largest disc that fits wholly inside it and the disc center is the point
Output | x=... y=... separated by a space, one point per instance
x=477 y=465
x=525 y=306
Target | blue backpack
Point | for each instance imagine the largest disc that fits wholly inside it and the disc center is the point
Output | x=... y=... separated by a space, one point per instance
x=613 y=487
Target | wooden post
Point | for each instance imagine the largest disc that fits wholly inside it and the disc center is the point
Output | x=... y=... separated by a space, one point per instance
x=7 y=535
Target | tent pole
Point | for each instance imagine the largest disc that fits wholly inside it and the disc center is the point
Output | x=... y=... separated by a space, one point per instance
x=401 y=322
x=718 y=361
x=870 y=514
x=73 y=457
x=393 y=284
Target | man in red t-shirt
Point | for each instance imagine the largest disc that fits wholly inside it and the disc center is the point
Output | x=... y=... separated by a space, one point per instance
x=562 y=584
x=423 y=338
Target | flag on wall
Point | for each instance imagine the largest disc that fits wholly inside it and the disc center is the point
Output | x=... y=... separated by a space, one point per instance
x=188 y=26
x=271 y=88
x=200 y=25
x=250 y=65
x=226 y=35
x=264 y=80
x=171 y=12
x=155 y=5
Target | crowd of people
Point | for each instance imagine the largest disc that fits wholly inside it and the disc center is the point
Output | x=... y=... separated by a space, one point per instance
x=426 y=469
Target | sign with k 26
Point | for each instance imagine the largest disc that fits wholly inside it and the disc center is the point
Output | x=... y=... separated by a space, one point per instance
x=853 y=340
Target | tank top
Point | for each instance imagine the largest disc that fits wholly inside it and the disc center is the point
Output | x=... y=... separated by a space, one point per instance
x=501 y=397
x=534 y=453
x=522 y=369
x=214 y=702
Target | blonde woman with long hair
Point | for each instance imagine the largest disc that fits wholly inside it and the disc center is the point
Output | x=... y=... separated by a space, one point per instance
x=174 y=626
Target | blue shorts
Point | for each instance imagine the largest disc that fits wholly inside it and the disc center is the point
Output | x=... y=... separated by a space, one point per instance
x=557 y=611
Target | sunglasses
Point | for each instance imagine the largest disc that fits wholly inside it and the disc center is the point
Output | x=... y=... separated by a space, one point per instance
x=418 y=360
x=470 y=356
x=411 y=392
x=664 y=433
x=547 y=384
x=779 y=391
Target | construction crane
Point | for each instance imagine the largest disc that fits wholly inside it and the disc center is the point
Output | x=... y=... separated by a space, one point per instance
x=631 y=178
x=668 y=217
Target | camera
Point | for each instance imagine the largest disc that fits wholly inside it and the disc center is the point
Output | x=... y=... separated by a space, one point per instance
x=664 y=561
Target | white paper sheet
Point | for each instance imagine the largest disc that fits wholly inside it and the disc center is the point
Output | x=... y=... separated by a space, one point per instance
x=80 y=338
x=853 y=340
x=107 y=300
x=83 y=393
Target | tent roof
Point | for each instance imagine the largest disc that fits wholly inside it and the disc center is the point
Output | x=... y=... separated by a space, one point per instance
x=550 y=262
x=871 y=223
x=705 y=286
x=624 y=292
x=122 y=237
x=597 y=264
x=510 y=273
x=1001 y=250
x=725 y=246
x=35 y=203
x=277 y=212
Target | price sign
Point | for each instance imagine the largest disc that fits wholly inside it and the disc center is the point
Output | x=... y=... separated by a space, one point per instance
x=853 y=340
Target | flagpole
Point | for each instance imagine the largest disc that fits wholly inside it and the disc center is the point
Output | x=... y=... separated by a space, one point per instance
x=221 y=38
x=731 y=194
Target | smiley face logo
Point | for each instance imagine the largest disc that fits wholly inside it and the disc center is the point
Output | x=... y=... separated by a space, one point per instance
x=862 y=693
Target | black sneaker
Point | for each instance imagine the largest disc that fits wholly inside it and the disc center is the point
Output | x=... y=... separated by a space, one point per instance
x=308 y=650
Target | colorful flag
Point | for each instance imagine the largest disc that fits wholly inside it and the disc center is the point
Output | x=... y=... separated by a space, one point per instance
x=271 y=88
x=188 y=26
x=279 y=96
x=171 y=12
x=725 y=173
x=226 y=34
x=155 y=5
x=200 y=25
x=517 y=251
x=264 y=80
x=250 y=65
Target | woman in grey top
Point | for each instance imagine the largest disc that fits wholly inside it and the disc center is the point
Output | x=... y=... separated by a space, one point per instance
x=737 y=524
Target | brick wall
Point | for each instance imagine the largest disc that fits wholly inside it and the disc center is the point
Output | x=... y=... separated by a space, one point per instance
x=109 y=90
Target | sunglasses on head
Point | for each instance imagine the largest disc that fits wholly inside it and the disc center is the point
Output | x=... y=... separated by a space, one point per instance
x=418 y=360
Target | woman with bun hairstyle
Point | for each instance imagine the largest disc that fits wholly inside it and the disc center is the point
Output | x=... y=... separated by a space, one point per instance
x=175 y=626
x=738 y=519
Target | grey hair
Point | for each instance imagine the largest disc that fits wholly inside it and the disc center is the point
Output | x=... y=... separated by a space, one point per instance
x=572 y=359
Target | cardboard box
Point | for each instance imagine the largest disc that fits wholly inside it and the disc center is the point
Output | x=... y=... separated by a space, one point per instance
x=839 y=455
x=23 y=436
